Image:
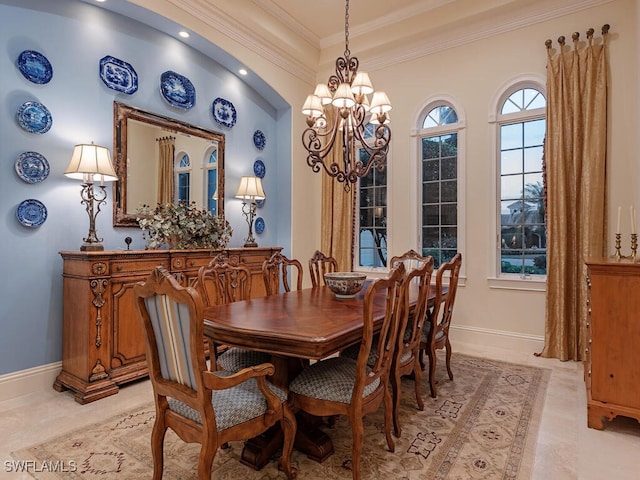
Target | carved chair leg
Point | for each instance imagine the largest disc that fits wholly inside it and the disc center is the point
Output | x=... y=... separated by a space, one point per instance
x=432 y=372
x=205 y=460
x=395 y=388
x=448 y=348
x=157 y=446
x=357 y=431
x=388 y=419
x=288 y=424
x=417 y=374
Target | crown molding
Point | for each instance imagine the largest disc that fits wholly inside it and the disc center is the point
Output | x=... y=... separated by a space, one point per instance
x=234 y=29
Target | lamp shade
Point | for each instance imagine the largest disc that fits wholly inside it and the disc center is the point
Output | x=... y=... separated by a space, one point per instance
x=312 y=106
x=89 y=161
x=323 y=93
x=361 y=85
x=250 y=188
x=380 y=103
x=343 y=97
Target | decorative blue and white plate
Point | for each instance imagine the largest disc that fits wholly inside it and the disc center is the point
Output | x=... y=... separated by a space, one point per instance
x=31 y=213
x=224 y=112
x=259 y=169
x=260 y=202
x=118 y=75
x=34 y=117
x=177 y=90
x=32 y=167
x=259 y=139
x=259 y=225
x=34 y=67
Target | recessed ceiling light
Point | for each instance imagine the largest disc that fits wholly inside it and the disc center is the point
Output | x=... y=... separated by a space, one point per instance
x=101 y=1
x=242 y=71
x=183 y=34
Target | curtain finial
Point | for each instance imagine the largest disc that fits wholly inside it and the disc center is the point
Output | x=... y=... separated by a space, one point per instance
x=605 y=29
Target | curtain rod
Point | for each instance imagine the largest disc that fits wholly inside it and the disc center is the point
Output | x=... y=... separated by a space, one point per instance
x=576 y=36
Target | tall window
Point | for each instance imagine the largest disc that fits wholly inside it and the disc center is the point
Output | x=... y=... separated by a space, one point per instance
x=439 y=182
x=372 y=215
x=211 y=181
x=522 y=233
x=183 y=179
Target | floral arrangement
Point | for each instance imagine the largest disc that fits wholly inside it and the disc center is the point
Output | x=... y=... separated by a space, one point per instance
x=183 y=226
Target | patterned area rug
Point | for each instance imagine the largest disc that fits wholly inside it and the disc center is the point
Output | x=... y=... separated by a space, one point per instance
x=483 y=424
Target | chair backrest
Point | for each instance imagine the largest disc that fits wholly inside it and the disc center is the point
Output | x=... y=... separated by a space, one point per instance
x=420 y=270
x=223 y=281
x=447 y=275
x=319 y=264
x=396 y=297
x=172 y=319
x=280 y=267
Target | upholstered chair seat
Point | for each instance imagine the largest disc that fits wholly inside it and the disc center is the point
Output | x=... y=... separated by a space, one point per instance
x=235 y=359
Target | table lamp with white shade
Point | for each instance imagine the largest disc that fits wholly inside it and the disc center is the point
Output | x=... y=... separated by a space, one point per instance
x=250 y=190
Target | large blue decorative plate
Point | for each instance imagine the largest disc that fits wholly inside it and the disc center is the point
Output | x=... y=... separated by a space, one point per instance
x=34 y=67
x=259 y=140
x=31 y=213
x=260 y=202
x=259 y=169
x=224 y=112
x=259 y=225
x=177 y=90
x=34 y=117
x=118 y=75
x=32 y=167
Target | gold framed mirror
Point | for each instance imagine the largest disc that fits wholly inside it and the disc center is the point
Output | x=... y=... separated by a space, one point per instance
x=194 y=171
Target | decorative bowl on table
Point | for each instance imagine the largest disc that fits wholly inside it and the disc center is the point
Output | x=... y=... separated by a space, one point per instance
x=345 y=284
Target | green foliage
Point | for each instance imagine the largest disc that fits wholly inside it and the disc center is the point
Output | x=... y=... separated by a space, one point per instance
x=183 y=226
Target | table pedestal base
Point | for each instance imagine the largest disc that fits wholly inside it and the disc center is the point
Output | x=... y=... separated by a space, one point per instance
x=310 y=440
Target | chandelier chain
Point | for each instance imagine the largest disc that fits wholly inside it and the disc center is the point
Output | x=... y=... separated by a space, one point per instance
x=346 y=31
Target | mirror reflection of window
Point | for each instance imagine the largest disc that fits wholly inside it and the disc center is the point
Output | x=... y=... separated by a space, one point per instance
x=211 y=168
x=183 y=179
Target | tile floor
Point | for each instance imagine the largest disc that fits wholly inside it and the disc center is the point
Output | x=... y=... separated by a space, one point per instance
x=566 y=448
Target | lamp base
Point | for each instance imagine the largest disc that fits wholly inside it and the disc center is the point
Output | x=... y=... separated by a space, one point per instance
x=92 y=247
x=250 y=244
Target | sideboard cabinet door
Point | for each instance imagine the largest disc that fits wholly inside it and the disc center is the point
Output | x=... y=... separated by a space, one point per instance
x=103 y=345
x=612 y=366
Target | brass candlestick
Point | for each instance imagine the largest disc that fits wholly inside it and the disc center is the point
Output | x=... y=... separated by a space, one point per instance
x=617 y=255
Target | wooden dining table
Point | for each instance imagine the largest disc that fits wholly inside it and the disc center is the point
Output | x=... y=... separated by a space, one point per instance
x=294 y=327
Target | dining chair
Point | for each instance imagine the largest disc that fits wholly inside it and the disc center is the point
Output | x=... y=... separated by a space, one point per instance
x=406 y=361
x=201 y=406
x=344 y=386
x=224 y=281
x=319 y=264
x=435 y=331
x=280 y=267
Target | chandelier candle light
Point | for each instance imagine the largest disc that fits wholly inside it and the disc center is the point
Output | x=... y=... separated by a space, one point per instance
x=90 y=163
x=342 y=108
x=249 y=191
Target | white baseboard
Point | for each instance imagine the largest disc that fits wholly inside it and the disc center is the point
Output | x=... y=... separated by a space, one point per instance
x=37 y=379
x=516 y=342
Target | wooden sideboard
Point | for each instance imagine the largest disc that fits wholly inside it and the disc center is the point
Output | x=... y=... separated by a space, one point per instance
x=102 y=342
x=612 y=366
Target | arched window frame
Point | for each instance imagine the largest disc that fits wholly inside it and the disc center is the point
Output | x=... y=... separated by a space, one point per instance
x=419 y=133
x=495 y=278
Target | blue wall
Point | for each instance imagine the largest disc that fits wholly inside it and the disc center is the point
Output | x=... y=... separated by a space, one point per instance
x=74 y=36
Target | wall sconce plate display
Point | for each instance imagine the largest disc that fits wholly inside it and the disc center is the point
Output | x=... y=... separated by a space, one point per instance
x=34 y=117
x=259 y=169
x=177 y=90
x=259 y=140
x=31 y=213
x=224 y=113
x=34 y=67
x=32 y=167
x=260 y=225
x=118 y=75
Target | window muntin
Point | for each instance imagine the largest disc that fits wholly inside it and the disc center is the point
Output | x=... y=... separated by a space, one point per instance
x=439 y=184
x=522 y=231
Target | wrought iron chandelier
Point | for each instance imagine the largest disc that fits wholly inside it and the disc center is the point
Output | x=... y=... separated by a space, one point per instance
x=341 y=109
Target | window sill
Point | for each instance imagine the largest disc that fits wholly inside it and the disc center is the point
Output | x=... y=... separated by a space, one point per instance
x=532 y=284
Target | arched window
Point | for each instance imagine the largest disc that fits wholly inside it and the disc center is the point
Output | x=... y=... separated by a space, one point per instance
x=440 y=190
x=521 y=125
x=183 y=178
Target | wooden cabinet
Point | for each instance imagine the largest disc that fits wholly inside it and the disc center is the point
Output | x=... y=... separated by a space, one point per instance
x=612 y=367
x=102 y=342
